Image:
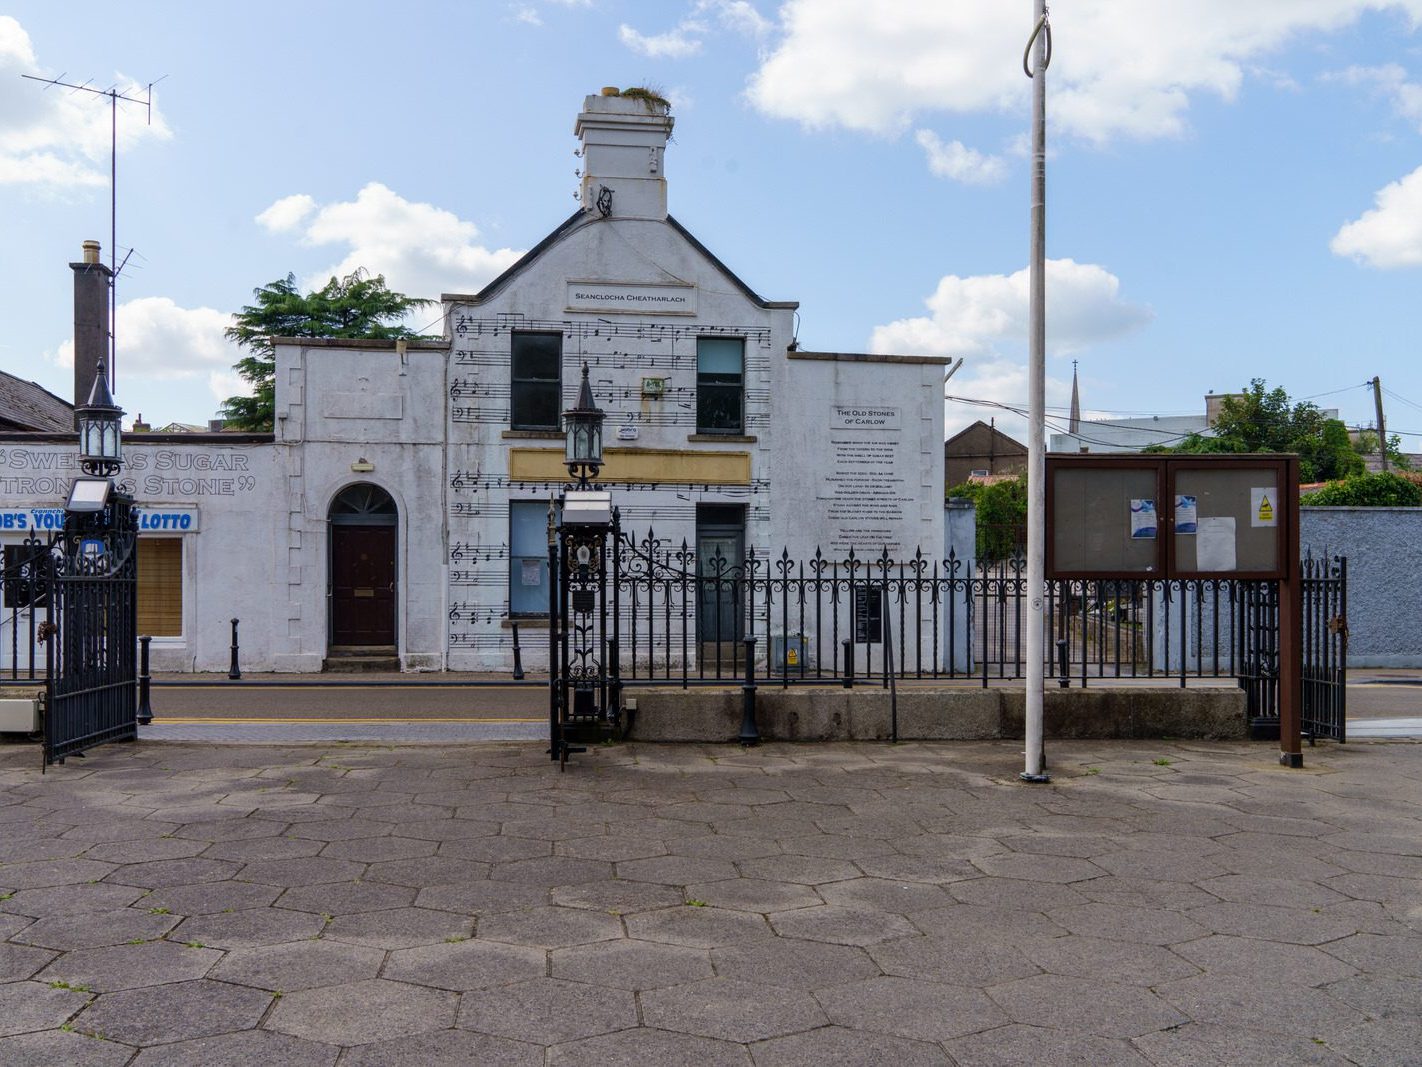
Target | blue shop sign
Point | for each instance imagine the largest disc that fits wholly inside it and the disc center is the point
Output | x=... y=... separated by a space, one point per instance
x=150 y=520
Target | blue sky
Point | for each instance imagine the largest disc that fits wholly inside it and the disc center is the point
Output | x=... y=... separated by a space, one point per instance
x=1235 y=188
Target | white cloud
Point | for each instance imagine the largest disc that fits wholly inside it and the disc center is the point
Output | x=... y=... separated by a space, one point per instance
x=421 y=250
x=1391 y=81
x=738 y=16
x=1389 y=235
x=57 y=138
x=1123 y=68
x=160 y=341
x=952 y=159
x=674 y=44
x=287 y=213
x=973 y=316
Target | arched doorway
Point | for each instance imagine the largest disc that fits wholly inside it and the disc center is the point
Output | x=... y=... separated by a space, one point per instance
x=362 y=572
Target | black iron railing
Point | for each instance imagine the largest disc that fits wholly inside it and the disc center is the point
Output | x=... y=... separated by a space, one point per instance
x=686 y=621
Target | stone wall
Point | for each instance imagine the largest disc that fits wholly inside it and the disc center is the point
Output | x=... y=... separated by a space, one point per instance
x=1384 y=551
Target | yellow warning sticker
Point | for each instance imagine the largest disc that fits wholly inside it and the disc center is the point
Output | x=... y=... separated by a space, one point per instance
x=1263 y=507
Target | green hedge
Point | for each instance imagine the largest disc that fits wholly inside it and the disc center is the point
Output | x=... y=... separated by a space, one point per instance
x=1367 y=491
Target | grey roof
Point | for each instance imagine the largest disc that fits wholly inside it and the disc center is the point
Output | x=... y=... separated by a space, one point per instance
x=28 y=406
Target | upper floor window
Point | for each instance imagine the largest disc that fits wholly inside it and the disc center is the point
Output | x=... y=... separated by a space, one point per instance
x=535 y=378
x=720 y=385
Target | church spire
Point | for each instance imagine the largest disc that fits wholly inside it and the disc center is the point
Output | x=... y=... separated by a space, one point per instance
x=1075 y=425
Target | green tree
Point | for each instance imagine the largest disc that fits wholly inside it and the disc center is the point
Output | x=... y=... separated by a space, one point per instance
x=1368 y=491
x=1001 y=511
x=357 y=305
x=1264 y=420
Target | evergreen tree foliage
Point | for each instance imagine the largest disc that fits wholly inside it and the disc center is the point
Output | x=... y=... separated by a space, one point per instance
x=1264 y=420
x=357 y=305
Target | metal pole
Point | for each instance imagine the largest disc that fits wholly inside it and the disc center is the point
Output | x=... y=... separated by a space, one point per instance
x=1382 y=427
x=145 y=682
x=517 y=653
x=750 y=734
x=1037 y=397
x=234 y=672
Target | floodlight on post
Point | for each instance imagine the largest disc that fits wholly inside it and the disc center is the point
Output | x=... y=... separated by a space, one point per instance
x=100 y=429
x=583 y=424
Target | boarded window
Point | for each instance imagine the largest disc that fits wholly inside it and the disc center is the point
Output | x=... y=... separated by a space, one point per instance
x=160 y=586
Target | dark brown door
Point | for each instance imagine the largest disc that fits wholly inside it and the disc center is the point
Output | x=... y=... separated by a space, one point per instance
x=362 y=585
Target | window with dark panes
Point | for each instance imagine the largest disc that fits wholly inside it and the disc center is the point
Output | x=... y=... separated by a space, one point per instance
x=720 y=385
x=536 y=378
x=528 y=557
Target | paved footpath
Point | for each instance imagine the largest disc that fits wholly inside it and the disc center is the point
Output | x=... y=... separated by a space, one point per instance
x=1159 y=903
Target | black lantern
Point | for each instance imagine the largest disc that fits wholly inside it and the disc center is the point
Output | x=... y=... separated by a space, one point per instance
x=583 y=425
x=100 y=438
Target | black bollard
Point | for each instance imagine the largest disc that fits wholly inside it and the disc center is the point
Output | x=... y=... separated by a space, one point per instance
x=518 y=654
x=234 y=672
x=848 y=664
x=145 y=683
x=1064 y=679
x=750 y=734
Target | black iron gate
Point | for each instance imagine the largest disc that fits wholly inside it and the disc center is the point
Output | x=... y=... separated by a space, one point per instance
x=585 y=698
x=91 y=636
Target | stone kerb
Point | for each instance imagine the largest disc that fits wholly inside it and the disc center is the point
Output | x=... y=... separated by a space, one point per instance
x=941 y=714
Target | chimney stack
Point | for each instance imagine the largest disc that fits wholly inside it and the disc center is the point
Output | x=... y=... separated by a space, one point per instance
x=624 y=139
x=91 y=321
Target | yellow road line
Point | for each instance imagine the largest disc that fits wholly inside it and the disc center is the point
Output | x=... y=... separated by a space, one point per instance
x=228 y=720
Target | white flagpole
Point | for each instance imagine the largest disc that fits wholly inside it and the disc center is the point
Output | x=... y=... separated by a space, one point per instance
x=1039 y=55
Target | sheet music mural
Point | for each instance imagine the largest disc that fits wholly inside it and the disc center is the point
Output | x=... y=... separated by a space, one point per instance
x=618 y=355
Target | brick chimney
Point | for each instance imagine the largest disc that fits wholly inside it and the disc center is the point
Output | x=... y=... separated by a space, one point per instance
x=91 y=321
x=624 y=141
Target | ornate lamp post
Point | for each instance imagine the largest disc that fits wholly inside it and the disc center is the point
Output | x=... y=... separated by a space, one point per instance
x=583 y=421
x=100 y=447
x=586 y=684
x=100 y=430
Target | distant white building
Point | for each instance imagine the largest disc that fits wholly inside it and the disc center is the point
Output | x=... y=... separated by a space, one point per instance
x=1134 y=435
x=400 y=507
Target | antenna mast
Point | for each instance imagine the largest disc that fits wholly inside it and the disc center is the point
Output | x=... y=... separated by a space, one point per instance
x=115 y=266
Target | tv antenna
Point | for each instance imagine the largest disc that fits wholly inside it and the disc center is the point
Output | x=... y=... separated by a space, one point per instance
x=114 y=96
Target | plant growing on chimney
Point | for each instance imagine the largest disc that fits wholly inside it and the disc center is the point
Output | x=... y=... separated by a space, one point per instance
x=651 y=96
x=357 y=305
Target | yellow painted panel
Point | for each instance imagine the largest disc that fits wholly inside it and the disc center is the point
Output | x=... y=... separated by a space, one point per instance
x=647 y=465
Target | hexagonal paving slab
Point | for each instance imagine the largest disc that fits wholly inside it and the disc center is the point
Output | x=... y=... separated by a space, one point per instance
x=171 y=1012
x=549 y=1010
x=300 y=965
x=361 y=1012
x=465 y=965
x=549 y=927
x=731 y=1010
x=130 y=966
x=630 y=964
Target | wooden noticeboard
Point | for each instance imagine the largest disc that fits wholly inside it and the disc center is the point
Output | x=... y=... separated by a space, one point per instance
x=1149 y=516
x=1197 y=517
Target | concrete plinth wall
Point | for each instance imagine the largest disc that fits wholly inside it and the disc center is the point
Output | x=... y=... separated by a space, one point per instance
x=864 y=714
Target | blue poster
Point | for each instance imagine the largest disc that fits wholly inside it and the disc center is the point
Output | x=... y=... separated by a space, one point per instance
x=1187 y=514
x=1142 y=520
